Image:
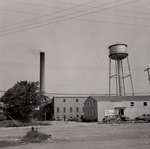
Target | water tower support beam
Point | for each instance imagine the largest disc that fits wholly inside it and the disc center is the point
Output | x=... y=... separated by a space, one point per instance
x=116 y=71
x=120 y=81
x=123 y=79
x=109 y=76
x=130 y=77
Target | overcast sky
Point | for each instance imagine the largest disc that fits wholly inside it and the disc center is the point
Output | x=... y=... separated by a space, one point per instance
x=76 y=49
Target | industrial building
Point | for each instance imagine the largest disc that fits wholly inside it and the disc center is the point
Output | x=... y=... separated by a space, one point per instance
x=95 y=108
x=68 y=108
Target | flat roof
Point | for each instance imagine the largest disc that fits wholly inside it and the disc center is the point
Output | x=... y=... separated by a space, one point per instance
x=120 y=98
x=70 y=96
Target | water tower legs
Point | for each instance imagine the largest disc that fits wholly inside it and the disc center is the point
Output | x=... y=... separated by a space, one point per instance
x=119 y=76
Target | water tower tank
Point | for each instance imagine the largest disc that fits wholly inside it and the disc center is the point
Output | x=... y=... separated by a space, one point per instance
x=118 y=51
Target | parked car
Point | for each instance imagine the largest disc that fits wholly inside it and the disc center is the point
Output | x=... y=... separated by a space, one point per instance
x=144 y=117
x=114 y=118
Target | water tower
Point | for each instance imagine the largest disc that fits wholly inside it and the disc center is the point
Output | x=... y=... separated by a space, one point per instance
x=118 y=53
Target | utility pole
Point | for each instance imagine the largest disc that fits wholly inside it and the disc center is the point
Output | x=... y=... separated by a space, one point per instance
x=148 y=72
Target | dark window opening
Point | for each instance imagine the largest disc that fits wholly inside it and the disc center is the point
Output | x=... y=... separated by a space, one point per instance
x=64 y=109
x=145 y=103
x=132 y=104
x=64 y=117
x=70 y=109
x=57 y=109
x=121 y=111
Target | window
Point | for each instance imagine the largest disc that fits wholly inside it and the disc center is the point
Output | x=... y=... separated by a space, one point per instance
x=57 y=109
x=145 y=104
x=77 y=109
x=77 y=100
x=71 y=109
x=64 y=117
x=64 y=100
x=64 y=109
x=131 y=104
x=77 y=116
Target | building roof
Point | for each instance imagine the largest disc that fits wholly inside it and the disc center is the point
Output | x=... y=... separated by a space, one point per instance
x=70 y=96
x=120 y=98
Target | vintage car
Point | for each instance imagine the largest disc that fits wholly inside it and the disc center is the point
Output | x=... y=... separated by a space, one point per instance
x=114 y=118
x=144 y=117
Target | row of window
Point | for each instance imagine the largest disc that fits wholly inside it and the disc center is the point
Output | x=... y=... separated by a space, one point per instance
x=64 y=109
x=65 y=117
x=64 y=100
x=144 y=104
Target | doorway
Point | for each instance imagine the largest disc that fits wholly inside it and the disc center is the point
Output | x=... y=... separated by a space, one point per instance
x=119 y=111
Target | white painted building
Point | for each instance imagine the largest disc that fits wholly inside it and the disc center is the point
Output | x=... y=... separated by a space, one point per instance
x=95 y=108
x=68 y=108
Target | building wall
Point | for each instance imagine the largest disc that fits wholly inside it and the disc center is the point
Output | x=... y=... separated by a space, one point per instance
x=68 y=108
x=90 y=110
x=132 y=109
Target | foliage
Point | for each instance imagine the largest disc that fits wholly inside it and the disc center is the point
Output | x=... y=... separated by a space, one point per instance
x=22 y=99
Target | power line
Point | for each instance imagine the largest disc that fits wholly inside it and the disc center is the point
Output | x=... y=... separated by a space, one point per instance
x=19 y=12
x=94 y=94
x=80 y=94
x=127 y=16
x=39 y=5
x=60 y=20
x=114 y=22
x=55 y=13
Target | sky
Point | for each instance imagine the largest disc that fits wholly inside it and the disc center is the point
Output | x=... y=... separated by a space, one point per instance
x=76 y=49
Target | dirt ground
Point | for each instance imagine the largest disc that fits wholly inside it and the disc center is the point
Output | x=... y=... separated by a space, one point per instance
x=72 y=135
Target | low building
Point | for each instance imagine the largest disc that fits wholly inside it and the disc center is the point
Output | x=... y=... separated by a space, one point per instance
x=68 y=108
x=95 y=108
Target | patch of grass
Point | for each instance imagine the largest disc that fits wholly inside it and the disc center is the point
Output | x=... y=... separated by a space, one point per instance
x=4 y=143
x=10 y=123
x=33 y=136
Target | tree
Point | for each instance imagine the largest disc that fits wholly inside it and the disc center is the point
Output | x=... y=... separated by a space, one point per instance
x=22 y=99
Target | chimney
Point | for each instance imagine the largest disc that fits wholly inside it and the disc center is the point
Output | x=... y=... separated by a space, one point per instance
x=42 y=72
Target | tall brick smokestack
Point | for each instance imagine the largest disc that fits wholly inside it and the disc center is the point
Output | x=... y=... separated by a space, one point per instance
x=42 y=72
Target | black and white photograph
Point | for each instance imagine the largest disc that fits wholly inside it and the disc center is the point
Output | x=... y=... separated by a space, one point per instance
x=75 y=74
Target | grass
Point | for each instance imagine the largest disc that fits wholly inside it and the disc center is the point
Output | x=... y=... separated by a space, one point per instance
x=4 y=143
x=34 y=136
x=10 y=123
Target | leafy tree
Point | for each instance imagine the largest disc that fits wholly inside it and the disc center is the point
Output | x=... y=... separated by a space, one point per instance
x=22 y=99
